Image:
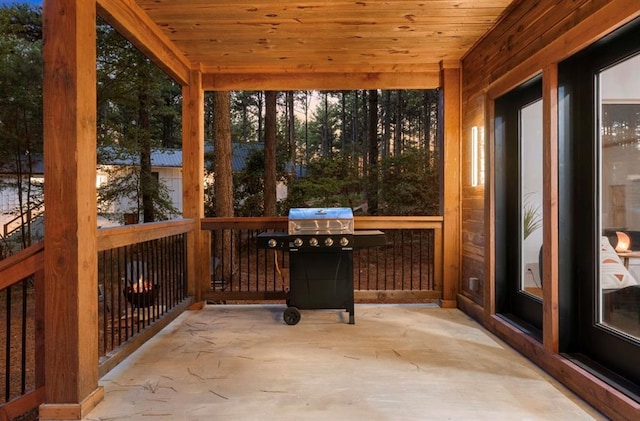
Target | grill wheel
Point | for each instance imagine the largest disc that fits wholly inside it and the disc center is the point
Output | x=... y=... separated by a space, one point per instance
x=291 y=316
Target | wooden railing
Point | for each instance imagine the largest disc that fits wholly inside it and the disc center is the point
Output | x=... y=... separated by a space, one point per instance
x=23 y=218
x=407 y=268
x=410 y=266
x=142 y=284
x=123 y=326
x=21 y=332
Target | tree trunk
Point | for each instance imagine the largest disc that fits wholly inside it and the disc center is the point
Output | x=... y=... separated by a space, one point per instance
x=223 y=187
x=148 y=183
x=386 y=132
x=435 y=125
x=425 y=126
x=224 y=247
x=364 y=150
x=343 y=119
x=291 y=132
x=245 y=119
x=325 y=150
x=270 y=154
x=22 y=208
x=307 y=100
x=372 y=191
x=354 y=124
x=397 y=143
x=259 y=113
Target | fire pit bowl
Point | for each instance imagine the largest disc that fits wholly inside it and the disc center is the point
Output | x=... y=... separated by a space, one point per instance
x=145 y=298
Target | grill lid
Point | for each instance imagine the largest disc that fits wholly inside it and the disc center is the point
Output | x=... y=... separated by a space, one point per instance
x=310 y=221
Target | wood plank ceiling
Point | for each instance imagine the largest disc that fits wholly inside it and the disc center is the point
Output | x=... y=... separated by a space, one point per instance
x=276 y=37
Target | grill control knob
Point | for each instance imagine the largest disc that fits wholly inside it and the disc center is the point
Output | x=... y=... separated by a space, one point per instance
x=344 y=241
x=297 y=242
x=313 y=242
x=328 y=242
x=272 y=242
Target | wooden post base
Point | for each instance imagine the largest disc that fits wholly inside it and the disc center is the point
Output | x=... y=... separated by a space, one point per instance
x=448 y=303
x=71 y=411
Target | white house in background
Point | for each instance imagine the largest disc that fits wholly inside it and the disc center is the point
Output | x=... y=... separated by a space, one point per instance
x=166 y=164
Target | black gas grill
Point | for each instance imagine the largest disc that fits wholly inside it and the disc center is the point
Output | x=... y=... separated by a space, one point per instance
x=320 y=242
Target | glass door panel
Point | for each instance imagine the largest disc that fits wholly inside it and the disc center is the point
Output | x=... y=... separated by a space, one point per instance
x=531 y=199
x=518 y=205
x=619 y=145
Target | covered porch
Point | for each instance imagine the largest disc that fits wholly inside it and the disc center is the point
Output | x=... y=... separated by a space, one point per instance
x=505 y=44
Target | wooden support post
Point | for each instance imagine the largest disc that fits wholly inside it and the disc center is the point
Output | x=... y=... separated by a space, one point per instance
x=71 y=285
x=199 y=249
x=551 y=314
x=450 y=83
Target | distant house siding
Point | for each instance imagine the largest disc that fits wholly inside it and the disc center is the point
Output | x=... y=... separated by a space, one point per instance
x=172 y=179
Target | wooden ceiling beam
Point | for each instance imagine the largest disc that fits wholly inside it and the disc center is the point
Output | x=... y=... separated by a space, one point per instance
x=353 y=46
x=135 y=25
x=320 y=81
x=304 y=68
x=232 y=31
x=333 y=16
x=331 y=58
x=335 y=63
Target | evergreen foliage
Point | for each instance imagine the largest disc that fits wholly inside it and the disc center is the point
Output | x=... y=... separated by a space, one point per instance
x=409 y=185
x=139 y=109
x=21 y=109
x=328 y=182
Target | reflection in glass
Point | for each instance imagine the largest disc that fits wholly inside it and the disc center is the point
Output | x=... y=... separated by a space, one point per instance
x=531 y=197
x=619 y=289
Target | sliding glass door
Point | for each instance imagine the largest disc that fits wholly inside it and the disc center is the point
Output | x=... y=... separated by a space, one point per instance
x=599 y=203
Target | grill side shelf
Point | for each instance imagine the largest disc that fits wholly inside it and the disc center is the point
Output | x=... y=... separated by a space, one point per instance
x=368 y=238
x=281 y=239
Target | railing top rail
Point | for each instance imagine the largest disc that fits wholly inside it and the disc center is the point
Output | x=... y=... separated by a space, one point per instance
x=361 y=222
x=114 y=237
x=254 y=222
x=398 y=222
x=22 y=264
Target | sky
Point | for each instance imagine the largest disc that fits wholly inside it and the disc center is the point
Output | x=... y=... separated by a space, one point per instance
x=34 y=2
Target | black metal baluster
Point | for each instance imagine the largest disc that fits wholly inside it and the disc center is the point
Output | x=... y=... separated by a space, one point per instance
x=23 y=361
x=8 y=345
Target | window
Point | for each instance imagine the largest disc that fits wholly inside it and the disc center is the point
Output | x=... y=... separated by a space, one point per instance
x=518 y=173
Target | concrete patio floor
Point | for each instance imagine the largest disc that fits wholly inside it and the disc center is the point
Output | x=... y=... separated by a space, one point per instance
x=398 y=362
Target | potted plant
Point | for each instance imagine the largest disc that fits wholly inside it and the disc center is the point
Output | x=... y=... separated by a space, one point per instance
x=531 y=218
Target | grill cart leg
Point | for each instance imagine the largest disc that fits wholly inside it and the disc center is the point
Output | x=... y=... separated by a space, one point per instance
x=291 y=315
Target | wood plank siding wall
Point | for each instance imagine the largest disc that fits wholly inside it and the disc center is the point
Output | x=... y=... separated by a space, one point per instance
x=535 y=35
x=533 y=38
